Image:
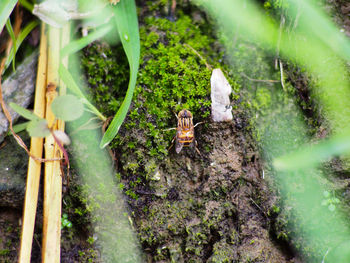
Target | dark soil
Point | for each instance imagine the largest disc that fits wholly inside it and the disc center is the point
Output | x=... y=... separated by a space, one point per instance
x=215 y=207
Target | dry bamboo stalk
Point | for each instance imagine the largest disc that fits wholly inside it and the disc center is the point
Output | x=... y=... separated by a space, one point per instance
x=34 y=167
x=53 y=177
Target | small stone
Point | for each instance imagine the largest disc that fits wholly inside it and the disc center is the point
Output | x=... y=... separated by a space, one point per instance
x=220 y=97
x=156 y=176
x=18 y=88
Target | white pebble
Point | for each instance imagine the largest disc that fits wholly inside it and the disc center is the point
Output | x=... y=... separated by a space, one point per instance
x=220 y=97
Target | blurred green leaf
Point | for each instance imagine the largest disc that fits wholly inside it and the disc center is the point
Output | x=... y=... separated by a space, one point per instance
x=27 y=5
x=79 y=44
x=38 y=128
x=316 y=19
x=311 y=155
x=125 y=16
x=67 y=107
x=23 y=112
x=331 y=207
x=69 y=81
x=19 y=127
x=6 y=7
x=312 y=43
x=53 y=12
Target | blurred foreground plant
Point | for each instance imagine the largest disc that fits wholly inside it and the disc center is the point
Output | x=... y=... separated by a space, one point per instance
x=317 y=45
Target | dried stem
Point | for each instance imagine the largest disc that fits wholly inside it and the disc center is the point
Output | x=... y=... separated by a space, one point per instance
x=259 y=80
x=199 y=55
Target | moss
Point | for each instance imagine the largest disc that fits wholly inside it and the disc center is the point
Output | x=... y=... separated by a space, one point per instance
x=107 y=74
x=172 y=76
x=222 y=252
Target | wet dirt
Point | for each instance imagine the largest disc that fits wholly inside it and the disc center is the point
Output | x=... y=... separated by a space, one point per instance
x=210 y=208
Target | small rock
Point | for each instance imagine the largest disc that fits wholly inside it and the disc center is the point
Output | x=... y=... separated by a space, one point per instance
x=18 y=88
x=220 y=97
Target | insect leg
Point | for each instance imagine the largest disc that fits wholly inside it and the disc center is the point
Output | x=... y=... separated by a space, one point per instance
x=197 y=150
x=169 y=129
x=172 y=143
x=198 y=123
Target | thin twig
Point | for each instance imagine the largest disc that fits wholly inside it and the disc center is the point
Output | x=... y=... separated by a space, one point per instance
x=259 y=80
x=251 y=199
x=297 y=16
x=169 y=129
x=199 y=55
x=279 y=38
x=325 y=255
x=282 y=77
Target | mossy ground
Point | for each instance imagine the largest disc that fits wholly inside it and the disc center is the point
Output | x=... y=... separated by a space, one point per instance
x=186 y=207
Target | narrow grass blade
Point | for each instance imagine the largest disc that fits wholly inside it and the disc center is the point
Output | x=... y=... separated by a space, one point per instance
x=26 y=4
x=19 y=127
x=67 y=78
x=13 y=37
x=22 y=35
x=79 y=44
x=125 y=16
x=6 y=7
x=24 y=112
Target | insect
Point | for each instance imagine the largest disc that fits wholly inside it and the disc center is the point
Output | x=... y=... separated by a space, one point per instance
x=185 y=131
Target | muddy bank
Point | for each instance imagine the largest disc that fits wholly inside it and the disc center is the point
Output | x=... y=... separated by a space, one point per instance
x=214 y=208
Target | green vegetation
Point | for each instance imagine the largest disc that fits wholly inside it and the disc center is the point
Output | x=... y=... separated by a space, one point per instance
x=174 y=74
x=172 y=77
x=330 y=201
x=287 y=35
x=65 y=223
x=126 y=21
x=107 y=75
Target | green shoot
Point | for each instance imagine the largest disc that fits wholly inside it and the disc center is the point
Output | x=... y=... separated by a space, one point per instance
x=125 y=16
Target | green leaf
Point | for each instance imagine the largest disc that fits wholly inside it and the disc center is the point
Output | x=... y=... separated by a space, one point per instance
x=22 y=35
x=67 y=107
x=309 y=156
x=38 y=128
x=19 y=127
x=6 y=7
x=125 y=16
x=71 y=84
x=27 y=5
x=79 y=44
x=13 y=37
x=23 y=112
